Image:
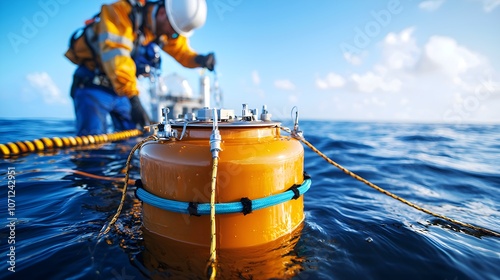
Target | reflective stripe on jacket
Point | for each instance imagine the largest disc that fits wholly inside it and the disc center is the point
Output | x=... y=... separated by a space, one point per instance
x=112 y=39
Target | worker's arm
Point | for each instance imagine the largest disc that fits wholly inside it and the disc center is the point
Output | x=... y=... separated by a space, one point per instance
x=116 y=41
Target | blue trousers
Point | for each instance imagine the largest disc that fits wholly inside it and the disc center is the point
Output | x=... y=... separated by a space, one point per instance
x=92 y=107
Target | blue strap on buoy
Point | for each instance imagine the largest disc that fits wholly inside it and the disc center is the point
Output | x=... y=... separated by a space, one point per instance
x=221 y=208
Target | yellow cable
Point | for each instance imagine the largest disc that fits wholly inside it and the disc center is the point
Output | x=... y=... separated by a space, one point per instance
x=125 y=182
x=42 y=144
x=4 y=150
x=359 y=178
x=212 y=269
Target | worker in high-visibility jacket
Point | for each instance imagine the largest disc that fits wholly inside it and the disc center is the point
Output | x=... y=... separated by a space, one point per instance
x=105 y=81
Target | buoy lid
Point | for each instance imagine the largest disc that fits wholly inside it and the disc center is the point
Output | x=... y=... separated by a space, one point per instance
x=209 y=117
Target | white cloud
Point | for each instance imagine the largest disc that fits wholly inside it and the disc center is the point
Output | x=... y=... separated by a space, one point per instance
x=433 y=5
x=400 y=51
x=255 y=77
x=403 y=60
x=439 y=80
x=43 y=83
x=353 y=59
x=284 y=84
x=452 y=59
x=430 y=5
x=489 y=5
x=375 y=101
x=332 y=80
x=371 y=82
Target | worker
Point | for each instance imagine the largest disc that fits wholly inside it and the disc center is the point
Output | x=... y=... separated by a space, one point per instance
x=105 y=50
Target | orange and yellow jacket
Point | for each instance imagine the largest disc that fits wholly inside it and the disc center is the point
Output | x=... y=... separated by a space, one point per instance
x=108 y=44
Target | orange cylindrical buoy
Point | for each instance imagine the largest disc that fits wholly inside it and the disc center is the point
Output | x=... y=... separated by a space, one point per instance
x=256 y=161
x=170 y=259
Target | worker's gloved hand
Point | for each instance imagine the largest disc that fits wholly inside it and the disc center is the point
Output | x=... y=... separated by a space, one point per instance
x=147 y=59
x=207 y=61
x=139 y=115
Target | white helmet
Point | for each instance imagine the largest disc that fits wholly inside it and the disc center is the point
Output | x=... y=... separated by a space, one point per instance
x=186 y=15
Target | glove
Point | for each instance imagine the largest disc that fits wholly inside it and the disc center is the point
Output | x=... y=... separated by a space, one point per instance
x=207 y=61
x=139 y=115
x=147 y=57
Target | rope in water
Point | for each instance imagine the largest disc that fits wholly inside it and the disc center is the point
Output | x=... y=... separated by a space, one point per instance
x=89 y=175
x=359 y=178
x=125 y=181
x=47 y=144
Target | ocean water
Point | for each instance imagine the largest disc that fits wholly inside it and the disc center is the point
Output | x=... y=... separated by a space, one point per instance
x=351 y=231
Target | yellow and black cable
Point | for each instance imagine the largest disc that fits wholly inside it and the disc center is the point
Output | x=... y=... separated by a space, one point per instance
x=46 y=144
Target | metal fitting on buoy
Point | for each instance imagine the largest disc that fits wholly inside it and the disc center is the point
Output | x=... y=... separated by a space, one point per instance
x=296 y=130
x=265 y=115
x=215 y=138
x=163 y=130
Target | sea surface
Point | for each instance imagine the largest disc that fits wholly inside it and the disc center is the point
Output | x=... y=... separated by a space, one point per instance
x=351 y=231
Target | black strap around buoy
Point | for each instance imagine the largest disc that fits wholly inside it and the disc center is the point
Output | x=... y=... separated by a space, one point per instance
x=138 y=183
x=294 y=188
x=247 y=205
x=296 y=192
x=193 y=209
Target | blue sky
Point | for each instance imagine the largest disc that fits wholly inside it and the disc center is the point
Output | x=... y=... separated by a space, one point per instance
x=385 y=60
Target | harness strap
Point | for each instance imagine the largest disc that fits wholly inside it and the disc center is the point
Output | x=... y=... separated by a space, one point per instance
x=136 y=16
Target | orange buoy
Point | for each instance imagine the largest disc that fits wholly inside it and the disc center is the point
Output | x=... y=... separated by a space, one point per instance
x=256 y=162
x=273 y=260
